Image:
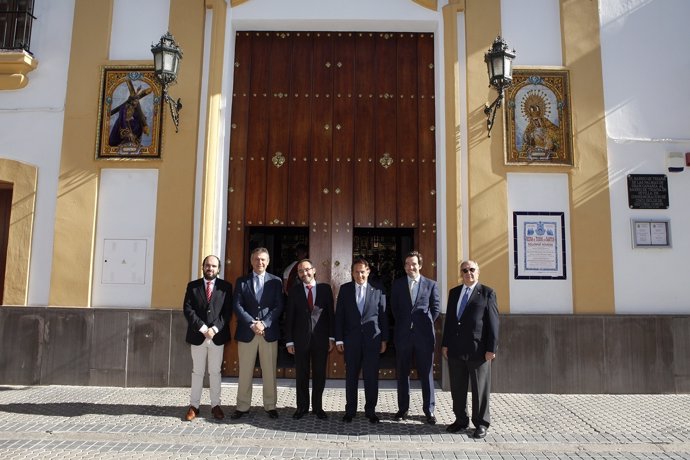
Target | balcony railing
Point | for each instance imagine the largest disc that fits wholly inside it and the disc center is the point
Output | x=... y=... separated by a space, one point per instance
x=16 y=19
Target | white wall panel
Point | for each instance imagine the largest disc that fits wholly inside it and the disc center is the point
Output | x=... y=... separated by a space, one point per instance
x=533 y=29
x=125 y=229
x=540 y=193
x=136 y=25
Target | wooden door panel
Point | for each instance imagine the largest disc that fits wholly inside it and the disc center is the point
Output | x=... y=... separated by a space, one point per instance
x=300 y=130
x=364 y=173
x=279 y=129
x=407 y=126
x=427 y=152
x=385 y=145
x=234 y=251
x=322 y=144
x=257 y=142
x=342 y=175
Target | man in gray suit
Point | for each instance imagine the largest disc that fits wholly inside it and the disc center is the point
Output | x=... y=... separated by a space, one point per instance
x=470 y=340
x=258 y=304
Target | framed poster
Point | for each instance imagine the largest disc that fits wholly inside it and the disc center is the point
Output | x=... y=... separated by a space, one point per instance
x=539 y=245
x=538 y=117
x=651 y=233
x=129 y=113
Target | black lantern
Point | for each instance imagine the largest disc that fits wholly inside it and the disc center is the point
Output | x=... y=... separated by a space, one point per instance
x=499 y=64
x=166 y=62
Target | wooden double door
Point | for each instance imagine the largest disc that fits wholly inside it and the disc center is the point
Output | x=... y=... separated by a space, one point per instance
x=332 y=135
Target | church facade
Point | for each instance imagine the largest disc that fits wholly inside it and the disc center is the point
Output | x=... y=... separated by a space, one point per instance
x=357 y=128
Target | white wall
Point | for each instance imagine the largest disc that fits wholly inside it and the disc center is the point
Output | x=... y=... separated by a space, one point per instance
x=337 y=15
x=136 y=26
x=31 y=121
x=540 y=193
x=533 y=29
x=647 y=105
x=125 y=231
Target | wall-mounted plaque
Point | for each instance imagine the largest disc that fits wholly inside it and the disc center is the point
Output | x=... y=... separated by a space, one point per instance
x=648 y=191
x=651 y=233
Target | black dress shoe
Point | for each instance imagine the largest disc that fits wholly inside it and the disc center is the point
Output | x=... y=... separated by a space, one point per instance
x=238 y=413
x=400 y=415
x=480 y=432
x=272 y=413
x=373 y=418
x=321 y=414
x=456 y=427
x=347 y=418
x=431 y=419
x=299 y=413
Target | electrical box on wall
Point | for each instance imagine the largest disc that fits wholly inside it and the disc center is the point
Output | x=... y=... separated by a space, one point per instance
x=124 y=261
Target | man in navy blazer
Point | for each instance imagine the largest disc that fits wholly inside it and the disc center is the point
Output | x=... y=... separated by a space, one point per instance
x=470 y=340
x=309 y=336
x=258 y=304
x=361 y=332
x=415 y=304
x=208 y=308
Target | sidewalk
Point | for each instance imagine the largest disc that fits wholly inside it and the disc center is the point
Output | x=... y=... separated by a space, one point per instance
x=145 y=423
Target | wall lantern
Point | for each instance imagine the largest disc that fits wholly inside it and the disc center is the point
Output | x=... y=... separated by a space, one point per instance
x=499 y=63
x=166 y=62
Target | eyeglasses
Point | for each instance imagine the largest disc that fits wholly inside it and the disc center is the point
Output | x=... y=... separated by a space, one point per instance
x=304 y=270
x=471 y=269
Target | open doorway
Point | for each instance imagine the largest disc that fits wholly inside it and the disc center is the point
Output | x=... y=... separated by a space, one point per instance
x=5 y=211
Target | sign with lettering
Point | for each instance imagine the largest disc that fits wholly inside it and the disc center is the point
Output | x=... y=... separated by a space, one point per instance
x=648 y=191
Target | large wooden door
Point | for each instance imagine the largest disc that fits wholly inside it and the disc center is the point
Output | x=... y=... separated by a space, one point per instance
x=331 y=131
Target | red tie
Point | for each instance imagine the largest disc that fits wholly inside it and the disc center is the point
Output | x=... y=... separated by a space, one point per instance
x=310 y=298
x=209 y=289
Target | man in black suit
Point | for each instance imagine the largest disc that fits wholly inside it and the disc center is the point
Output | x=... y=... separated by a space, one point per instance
x=470 y=339
x=258 y=304
x=309 y=336
x=415 y=305
x=361 y=331
x=208 y=308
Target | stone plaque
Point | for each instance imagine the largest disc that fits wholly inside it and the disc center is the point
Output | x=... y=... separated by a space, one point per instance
x=648 y=191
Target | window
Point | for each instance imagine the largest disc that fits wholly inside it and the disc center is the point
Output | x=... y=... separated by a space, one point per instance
x=16 y=19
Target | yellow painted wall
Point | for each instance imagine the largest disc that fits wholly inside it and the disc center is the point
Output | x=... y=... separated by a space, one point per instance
x=488 y=207
x=79 y=170
x=24 y=180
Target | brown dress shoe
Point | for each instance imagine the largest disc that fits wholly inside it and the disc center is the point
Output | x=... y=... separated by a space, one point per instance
x=191 y=414
x=217 y=413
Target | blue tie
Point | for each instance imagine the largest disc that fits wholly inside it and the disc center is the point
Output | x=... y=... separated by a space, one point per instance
x=463 y=302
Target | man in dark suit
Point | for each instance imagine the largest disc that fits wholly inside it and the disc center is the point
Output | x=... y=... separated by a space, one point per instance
x=361 y=331
x=309 y=323
x=208 y=308
x=415 y=305
x=470 y=339
x=258 y=304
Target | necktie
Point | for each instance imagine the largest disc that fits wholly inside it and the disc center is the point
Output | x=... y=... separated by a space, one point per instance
x=463 y=302
x=360 y=298
x=209 y=290
x=258 y=287
x=412 y=283
x=310 y=298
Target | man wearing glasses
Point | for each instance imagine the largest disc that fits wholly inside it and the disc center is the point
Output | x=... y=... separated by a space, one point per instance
x=470 y=339
x=309 y=323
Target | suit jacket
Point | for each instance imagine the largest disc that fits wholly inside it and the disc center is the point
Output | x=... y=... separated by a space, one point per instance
x=298 y=319
x=372 y=324
x=200 y=312
x=476 y=331
x=419 y=317
x=248 y=309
